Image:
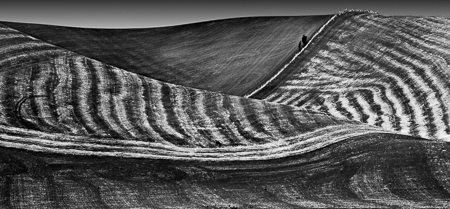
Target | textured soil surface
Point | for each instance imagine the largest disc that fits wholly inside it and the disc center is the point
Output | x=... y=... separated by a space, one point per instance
x=227 y=114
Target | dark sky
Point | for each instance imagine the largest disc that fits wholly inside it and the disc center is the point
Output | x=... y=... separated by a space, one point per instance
x=134 y=14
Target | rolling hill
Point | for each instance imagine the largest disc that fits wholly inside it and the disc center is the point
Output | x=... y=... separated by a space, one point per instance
x=227 y=114
x=58 y=101
x=386 y=71
x=228 y=56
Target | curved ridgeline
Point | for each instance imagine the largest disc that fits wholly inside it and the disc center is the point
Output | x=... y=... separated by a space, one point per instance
x=229 y=56
x=76 y=132
x=387 y=71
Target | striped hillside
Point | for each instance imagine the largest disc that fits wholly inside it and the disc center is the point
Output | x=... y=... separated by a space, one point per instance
x=337 y=127
x=391 y=72
x=67 y=103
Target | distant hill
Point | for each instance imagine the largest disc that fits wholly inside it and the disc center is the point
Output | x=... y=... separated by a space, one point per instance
x=229 y=56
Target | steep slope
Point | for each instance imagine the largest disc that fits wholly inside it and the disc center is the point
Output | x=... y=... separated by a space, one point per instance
x=387 y=71
x=229 y=56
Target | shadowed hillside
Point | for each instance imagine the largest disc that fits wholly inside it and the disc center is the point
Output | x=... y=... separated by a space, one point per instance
x=229 y=56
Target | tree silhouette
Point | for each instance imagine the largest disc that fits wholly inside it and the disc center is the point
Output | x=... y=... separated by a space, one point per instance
x=304 y=40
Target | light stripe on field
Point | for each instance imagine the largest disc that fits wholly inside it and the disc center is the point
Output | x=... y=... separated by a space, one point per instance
x=12 y=36
x=282 y=97
x=416 y=106
x=404 y=118
x=63 y=97
x=105 y=97
x=2 y=98
x=281 y=148
x=140 y=112
x=226 y=115
x=346 y=105
x=30 y=45
x=185 y=122
x=124 y=95
x=39 y=88
x=367 y=108
x=209 y=123
x=28 y=54
x=430 y=94
x=4 y=28
x=83 y=92
x=242 y=117
x=263 y=117
x=330 y=105
x=159 y=110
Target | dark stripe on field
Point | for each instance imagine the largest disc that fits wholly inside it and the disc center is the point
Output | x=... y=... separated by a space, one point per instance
x=168 y=100
x=443 y=106
x=192 y=112
x=18 y=56
x=318 y=102
x=279 y=94
x=418 y=93
x=133 y=111
x=52 y=84
x=297 y=97
x=234 y=119
x=249 y=108
x=114 y=89
x=396 y=122
x=94 y=101
x=38 y=71
x=33 y=95
x=75 y=101
x=354 y=103
x=420 y=72
x=150 y=111
x=212 y=109
x=307 y=99
x=397 y=93
x=368 y=96
x=275 y=117
x=339 y=108
x=11 y=96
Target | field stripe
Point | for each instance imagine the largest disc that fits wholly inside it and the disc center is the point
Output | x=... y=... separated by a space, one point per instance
x=279 y=149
